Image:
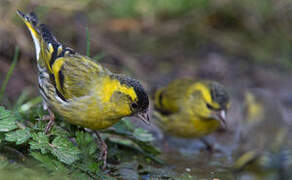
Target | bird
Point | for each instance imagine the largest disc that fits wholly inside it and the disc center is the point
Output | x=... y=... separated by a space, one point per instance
x=191 y=109
x=264 y=135
x=262 y=115
x=81 y=91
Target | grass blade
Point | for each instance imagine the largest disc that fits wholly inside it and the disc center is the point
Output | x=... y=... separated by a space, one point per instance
x=9 y=73
x=87 y=42
x=28 y=105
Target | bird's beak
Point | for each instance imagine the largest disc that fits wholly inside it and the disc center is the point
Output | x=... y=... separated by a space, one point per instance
x=145 y=117
x=221 y=116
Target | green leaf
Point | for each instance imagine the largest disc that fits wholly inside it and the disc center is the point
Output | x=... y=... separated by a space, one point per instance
x=88 y=146
x=58 y=131
x=19 y=136
x=40 y=142
x=124 y=125
x=7 y=120
x=148 y=147
x=143 y=135
x=124 y=141
x=49 y=162
x=65 y=150
x=145 y=148
x=86 y=142
x=93 y=166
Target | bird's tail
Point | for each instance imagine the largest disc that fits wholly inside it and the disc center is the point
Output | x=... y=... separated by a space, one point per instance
x=31 y=23
x=46 y=45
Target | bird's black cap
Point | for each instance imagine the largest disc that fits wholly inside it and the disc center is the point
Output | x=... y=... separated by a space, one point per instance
x=219 y=94
x=143 y=101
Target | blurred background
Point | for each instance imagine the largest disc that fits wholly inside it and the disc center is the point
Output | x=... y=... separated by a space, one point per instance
x=241 y=43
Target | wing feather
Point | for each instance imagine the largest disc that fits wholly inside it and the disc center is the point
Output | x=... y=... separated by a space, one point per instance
x=71 y=74
x=75 y=75
x=168 y=99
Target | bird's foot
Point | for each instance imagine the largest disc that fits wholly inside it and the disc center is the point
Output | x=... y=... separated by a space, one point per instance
x=51 y=118
x=103 y=150
x=208 y=145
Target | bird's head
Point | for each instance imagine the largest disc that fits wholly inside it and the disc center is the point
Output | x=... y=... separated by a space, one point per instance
x=135 y=98
x=212 y=101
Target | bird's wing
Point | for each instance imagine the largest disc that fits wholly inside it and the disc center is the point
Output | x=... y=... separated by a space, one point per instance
x=74 y=75
x=69 y=72
x=169 y=99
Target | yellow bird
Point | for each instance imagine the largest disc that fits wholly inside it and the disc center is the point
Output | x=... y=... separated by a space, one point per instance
x=191 y=109
x=81 y=91
x=264 y=150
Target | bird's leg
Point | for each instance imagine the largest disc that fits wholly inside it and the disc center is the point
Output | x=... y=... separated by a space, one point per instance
x=209 y=146
x=103 y=150
x=51 y=119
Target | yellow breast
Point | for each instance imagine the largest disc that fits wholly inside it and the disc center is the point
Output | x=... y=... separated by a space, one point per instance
x=185 y=126
x=97 y=110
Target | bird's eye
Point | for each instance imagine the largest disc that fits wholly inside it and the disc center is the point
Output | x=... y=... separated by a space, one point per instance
x=209 y=106
x=134 y=105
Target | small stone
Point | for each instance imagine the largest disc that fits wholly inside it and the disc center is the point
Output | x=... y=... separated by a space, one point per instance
x=188 y=170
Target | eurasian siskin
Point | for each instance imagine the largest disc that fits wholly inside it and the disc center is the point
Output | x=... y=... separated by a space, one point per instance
x=81 y=91
x=263 y=151
x=191 y=109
